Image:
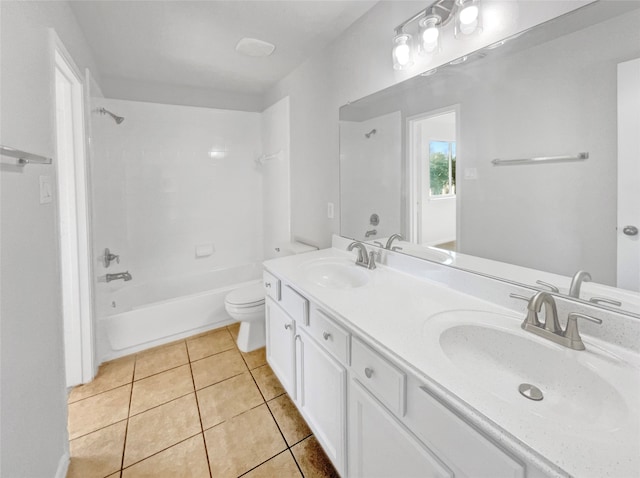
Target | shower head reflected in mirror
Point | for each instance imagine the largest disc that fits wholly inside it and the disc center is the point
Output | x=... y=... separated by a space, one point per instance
x=118 y=119
x=373 y=131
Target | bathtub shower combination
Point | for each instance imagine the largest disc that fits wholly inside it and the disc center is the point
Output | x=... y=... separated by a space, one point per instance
x=162 y=310
x=167 y=309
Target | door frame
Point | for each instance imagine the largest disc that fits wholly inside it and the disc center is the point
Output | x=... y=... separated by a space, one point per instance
x=74 y=231
x=414 y=171
x=628 y=247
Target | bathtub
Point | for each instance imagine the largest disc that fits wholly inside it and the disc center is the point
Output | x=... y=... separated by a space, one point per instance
x=160 y=311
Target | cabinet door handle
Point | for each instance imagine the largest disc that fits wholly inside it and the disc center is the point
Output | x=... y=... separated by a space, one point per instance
x=368 y=372
x=287 y=326
x=326 y=335
x=267 y=284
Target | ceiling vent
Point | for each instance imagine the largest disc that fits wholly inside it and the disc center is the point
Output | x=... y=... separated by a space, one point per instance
x=254 y=47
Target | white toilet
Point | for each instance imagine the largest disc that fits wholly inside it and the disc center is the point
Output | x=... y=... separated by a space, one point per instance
x=246 y=304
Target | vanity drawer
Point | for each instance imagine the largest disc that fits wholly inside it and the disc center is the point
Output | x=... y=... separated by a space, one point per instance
x=329 y=334
x=271 y=285
x=386 y=381
x=296 y=305
x=461 y=446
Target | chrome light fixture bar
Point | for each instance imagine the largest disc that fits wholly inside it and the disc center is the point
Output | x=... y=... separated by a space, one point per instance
x=465 y=14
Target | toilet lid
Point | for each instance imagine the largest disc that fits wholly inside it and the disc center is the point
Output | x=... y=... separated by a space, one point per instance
x=247 y=296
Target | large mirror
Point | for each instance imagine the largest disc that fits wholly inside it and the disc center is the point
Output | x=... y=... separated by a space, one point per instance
x=419 y=158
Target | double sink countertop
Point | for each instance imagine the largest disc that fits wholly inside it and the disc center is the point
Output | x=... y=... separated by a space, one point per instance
x=473 y=355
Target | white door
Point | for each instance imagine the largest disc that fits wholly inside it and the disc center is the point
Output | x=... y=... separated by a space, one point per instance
x=75 y=250
x=280 y=346
x=380 y=446
x=629 y=175
x=322 y=388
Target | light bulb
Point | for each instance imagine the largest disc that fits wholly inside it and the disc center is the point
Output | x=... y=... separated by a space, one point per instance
x=430 y=34
x=402 y=51
x=402 y=54
x=468 y=15
x=468 y=18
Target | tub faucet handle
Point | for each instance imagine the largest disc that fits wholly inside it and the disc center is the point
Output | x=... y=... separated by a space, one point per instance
x=109 y=257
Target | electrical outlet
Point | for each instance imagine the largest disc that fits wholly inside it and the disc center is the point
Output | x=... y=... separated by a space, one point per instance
x=330 y=210
x=46 y=192
x=470 y=173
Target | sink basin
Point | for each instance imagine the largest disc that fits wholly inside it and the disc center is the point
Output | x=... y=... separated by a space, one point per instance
x=494 y=356
x=335 y=273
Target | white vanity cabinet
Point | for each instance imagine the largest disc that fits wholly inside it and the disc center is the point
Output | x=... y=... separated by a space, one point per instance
x=280 y=333
x=372 y=416
x=380 y=446
x=308 y=353
x=470 y=453
x=321 y=396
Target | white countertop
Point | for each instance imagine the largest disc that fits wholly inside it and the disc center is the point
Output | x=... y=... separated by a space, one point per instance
x=393 y=310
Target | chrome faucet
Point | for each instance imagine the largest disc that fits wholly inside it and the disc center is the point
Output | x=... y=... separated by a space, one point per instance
x=392 y=238
x=125 y=276
x=551 y=329
x=365 y=259
x=372 y=232
x=551 y=323
x=576 y=283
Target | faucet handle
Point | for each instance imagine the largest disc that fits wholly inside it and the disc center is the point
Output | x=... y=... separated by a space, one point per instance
x=378 y=243
x=521 y=297
x=575 y=315
x=109 y=257
x=604 y=300
x=551 y=287
x=571 y=331
x=372 y=260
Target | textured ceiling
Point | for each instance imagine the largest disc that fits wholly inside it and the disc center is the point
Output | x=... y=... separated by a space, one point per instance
x=192 y=43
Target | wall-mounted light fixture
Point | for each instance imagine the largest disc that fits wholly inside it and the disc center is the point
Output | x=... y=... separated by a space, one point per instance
x=464 y=14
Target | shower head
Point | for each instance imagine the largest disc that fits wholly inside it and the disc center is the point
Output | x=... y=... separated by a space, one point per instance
x=118 y=119
x=373 y=131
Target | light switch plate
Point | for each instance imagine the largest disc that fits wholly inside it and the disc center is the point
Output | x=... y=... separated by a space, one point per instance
x=330 y=212
x=46 y=192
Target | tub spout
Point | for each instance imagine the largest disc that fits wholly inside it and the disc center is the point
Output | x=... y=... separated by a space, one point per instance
x=125 y=276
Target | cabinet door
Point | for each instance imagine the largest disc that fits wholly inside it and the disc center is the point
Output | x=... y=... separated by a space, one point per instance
x=280 y=345
x=380 y=446
x=322 y=391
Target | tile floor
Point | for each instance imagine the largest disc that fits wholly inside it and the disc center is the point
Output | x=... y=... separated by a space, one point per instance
x=194 y=408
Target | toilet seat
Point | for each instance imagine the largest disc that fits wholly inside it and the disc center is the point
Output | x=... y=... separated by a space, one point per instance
x=248 y=296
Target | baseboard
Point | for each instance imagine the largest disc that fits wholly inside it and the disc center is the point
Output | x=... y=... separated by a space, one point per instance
x=63 y=466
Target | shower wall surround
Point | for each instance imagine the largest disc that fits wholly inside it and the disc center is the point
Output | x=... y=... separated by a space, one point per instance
x=276 y=189
x=378 y=157
x=158 y=193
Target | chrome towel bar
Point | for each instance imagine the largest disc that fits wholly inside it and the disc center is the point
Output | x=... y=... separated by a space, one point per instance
x=24 y=158
x=541 y=159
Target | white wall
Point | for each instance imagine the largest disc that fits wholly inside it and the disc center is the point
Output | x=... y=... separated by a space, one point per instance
x=158 y=194
x=553 y=217
x=355 y=65
x=371 y=176
x=557 y=98
x=33 y=410
x=276 y=186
